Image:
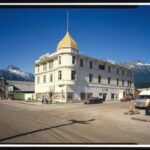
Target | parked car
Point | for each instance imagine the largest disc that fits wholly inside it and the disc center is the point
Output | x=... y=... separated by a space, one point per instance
x=94 y=100
x=143 y=100
x=127 y=98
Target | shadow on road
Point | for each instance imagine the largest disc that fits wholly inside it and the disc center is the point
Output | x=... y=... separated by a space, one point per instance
x=39 y=130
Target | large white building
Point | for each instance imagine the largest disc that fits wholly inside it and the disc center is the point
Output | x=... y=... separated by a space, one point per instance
x=66 y=75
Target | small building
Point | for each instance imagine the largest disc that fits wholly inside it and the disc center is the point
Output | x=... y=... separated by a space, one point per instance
x=20 y=90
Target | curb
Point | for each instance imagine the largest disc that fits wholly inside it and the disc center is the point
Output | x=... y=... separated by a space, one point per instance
x=39 y=104
x=111 y=101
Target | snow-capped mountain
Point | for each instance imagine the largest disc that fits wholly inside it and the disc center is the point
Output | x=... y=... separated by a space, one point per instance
x=133 y=64
x=141 y=71
x=125 y=64
x=14 y=73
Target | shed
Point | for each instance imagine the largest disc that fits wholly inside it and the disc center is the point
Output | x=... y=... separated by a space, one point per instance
x=20 y=90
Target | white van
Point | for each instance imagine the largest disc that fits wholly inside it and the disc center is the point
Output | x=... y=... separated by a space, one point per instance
x=143 y=99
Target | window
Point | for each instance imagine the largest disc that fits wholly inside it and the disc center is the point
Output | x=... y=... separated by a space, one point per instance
x=112 y=95
x=59 y=59
x=117 y=71
x=90 y=77
x=109 y=69
x=122 y=82
x=101 y=95
x=99 y=79
x=101 y=67
x=91 y=64
x=73 y=59
x=50 y=64
x=109 y=79
x=70 y=95
x=44 y=79
x=81 y=62
x=123 y=72
x=51 y=77
x=44 y=67
x=117 y=81
x=59 y=75
x=38 y=79
x=73 y=73
x=83 y=96
x=143 y=97
x=89 y=95
x=128 y=83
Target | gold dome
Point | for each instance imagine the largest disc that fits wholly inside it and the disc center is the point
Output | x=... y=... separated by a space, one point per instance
x=67 y=41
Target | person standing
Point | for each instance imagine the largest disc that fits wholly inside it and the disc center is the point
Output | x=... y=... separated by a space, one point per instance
x=42 y=99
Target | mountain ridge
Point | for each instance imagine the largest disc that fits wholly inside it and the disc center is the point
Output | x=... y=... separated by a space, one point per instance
x=12 y=72
x=141 y=72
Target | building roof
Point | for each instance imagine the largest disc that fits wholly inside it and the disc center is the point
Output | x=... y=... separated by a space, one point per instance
x=145 y=92
x=67 y=42
x=144 y=89
x=22 y=85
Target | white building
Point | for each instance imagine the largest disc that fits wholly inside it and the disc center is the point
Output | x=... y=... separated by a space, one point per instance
x=66 y=75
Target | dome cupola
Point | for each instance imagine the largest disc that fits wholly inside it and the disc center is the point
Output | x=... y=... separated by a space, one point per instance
x=67 y=42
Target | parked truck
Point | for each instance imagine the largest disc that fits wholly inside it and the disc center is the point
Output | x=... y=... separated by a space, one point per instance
x=143 y=100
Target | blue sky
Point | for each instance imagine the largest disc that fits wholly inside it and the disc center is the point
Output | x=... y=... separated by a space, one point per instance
x=115 y=34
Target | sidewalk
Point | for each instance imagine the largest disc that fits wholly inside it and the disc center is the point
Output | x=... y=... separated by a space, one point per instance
x=39 y=103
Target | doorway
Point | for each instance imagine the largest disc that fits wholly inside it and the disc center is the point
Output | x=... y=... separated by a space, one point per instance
x=104 y=96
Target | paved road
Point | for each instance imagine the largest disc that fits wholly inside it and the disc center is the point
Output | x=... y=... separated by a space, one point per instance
x=70 y=123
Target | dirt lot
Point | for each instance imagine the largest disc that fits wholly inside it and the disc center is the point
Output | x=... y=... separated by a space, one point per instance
x=70 y=123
